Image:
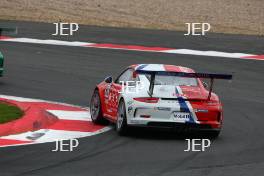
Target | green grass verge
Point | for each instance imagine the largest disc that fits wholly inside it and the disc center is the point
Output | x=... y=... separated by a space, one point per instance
x=9 y=113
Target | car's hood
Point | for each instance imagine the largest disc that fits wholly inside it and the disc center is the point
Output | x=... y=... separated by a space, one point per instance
x=188 y=92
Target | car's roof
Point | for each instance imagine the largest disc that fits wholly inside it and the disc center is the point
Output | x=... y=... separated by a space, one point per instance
x=161 y=67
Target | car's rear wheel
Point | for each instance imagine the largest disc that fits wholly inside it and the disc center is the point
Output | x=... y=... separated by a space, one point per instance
x=210 y=134
x=121 y=123
x=214 y=134
x=96 y=109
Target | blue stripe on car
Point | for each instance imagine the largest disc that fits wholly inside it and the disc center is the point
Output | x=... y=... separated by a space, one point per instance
x=183 y=106
x=141 y=66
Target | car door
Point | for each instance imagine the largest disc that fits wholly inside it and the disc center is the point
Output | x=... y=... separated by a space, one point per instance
x=114 y=92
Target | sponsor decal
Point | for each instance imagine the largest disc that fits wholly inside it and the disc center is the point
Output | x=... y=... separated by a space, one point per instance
x=201 y=110
x=130 y=102
x=181 y=116
x=162 y=108
x=129 y=109
x=178 y=95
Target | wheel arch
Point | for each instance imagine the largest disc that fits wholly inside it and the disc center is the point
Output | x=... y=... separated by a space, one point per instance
x=125 y=99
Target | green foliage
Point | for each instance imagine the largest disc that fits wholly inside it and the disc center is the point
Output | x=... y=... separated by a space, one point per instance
x=9 y=113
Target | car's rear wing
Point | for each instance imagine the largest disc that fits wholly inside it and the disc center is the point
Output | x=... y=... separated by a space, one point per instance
x=211 y=76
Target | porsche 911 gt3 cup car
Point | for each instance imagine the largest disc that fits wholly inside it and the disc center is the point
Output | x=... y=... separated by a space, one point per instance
x=156 y=95
x=1 y=64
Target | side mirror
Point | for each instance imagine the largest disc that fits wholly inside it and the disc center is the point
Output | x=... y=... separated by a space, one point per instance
x=108 y=79
x=205 y=84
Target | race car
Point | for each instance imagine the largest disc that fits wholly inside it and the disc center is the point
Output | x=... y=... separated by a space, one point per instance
x=5 y=30
x=1 y=64
x=157 y=95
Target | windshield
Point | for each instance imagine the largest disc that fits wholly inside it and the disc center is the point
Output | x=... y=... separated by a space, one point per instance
x=173 y=80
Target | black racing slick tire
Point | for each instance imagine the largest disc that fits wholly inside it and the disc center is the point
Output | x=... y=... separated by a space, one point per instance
x=96 y=109
x=214 y=134
x=121 y=123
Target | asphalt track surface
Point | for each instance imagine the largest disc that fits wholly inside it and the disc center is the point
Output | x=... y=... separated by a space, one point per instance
x=68 y=74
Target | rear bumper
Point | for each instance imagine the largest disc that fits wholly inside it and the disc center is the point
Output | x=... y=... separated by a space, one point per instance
x=183 y=126
x=162 y=116
x=211 y=126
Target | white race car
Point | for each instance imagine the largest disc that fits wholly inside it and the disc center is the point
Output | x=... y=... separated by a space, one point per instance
x=157 y=95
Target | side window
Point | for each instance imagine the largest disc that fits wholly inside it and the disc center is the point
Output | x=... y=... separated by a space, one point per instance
x=125 y=76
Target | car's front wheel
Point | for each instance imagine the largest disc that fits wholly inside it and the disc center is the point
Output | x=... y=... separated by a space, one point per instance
x=96 y=109
x=121 y=123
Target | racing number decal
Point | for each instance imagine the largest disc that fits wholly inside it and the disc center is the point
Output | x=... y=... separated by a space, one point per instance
x=107 y=90
x=112 y=94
